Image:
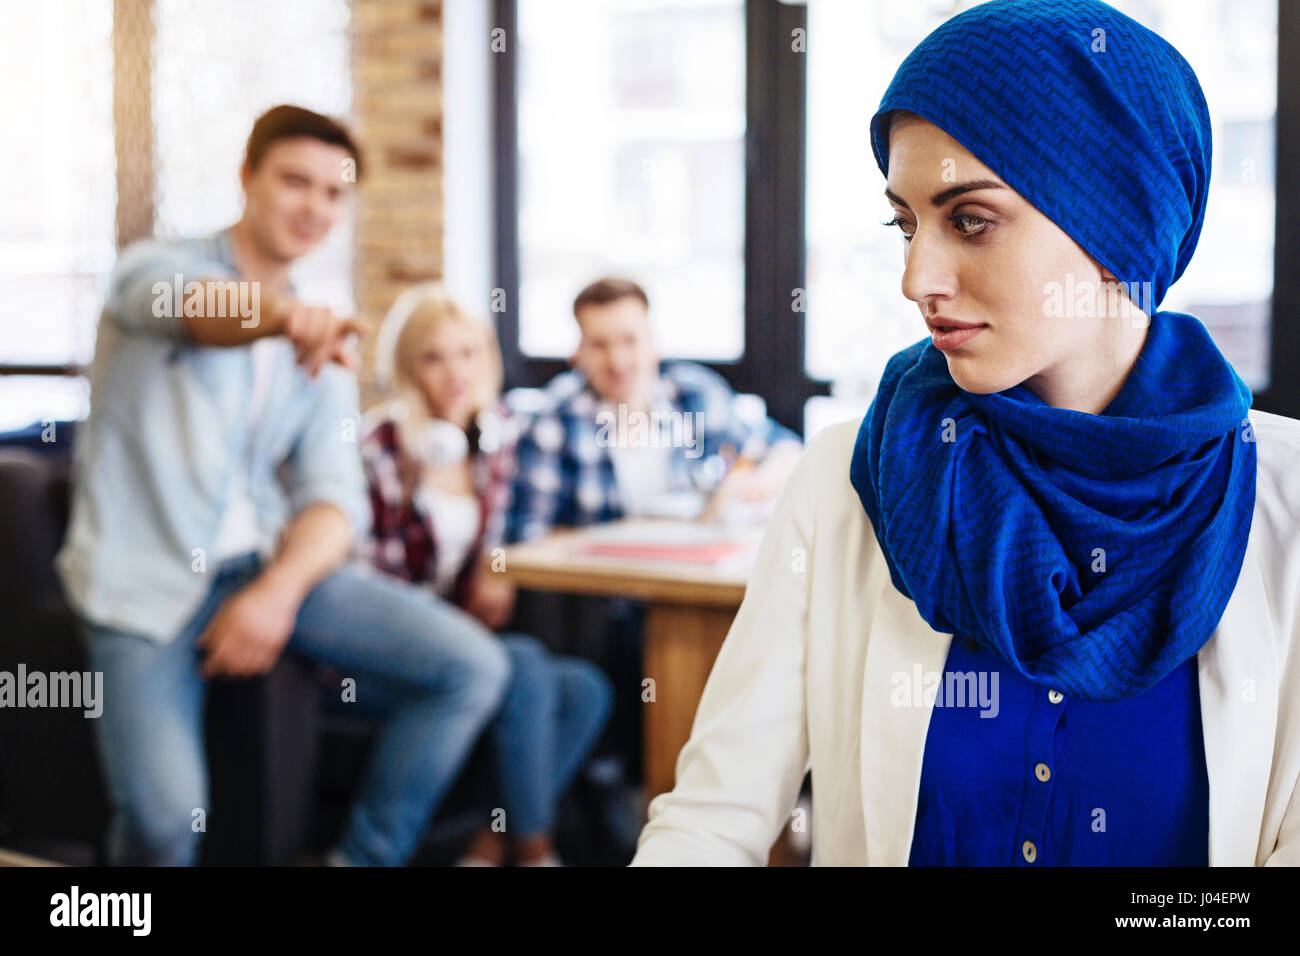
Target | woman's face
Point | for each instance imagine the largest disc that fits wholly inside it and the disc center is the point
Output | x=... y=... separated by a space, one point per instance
x=450 y=369
x=977 y=253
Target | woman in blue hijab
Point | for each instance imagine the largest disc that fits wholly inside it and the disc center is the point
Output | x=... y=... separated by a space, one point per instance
x=1003 y=616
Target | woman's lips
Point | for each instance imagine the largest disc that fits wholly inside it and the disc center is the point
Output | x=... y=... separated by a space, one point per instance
x=953 y=339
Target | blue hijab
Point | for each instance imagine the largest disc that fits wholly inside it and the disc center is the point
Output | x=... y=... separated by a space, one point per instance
x=1091 y=553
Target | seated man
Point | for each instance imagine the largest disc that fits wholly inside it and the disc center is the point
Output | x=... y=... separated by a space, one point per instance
x=590 y=456
x=621 y=429
x=218 y=492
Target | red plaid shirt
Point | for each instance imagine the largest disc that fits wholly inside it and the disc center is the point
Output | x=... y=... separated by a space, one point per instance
x=403 y=541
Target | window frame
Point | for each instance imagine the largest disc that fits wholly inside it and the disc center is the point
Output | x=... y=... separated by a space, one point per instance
x=775 y=170
x=775 y=85
x=1282 y=396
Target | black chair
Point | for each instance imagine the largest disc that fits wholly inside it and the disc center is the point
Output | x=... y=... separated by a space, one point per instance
x=261 y=734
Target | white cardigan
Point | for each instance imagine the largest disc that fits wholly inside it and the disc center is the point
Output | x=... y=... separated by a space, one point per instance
x=803 y=682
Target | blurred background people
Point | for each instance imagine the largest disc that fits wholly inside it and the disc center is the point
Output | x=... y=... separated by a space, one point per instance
x=216 y=499
x=621 y=430
x=623 y=434
x=438 y=457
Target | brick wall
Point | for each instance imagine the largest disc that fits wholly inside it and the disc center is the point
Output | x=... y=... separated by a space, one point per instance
x=397 y=77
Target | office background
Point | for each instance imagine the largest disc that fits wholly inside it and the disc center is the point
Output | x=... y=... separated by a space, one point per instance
x=715 y=150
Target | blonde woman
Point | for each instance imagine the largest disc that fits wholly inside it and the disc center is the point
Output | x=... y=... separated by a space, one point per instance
x=438 y=458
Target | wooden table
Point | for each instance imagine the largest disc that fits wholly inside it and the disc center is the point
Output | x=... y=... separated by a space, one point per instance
x=689 y=609
x=13 y=858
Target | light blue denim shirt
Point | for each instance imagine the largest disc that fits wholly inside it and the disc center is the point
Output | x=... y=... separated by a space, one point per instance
x=167 y=427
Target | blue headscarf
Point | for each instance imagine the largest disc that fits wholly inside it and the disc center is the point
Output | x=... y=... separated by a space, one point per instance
x=1092 y=553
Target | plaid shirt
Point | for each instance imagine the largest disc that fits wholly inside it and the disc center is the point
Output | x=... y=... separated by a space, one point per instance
x=565 y=474
x=403 y=540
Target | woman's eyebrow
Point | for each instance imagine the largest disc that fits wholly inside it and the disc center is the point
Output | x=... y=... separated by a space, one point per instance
x=940 y=199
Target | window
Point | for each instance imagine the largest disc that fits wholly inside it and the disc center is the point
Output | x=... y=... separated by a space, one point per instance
x=812 y=192
x=207 y=93
x=58 y=226
x=857 y=317
x=1232 y=46
x=57 y=219
x=631 y=162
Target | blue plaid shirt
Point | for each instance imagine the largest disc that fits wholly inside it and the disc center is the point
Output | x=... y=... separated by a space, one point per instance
x=565 y=475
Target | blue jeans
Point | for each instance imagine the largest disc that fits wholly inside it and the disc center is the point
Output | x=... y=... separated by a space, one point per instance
x=550 y=719
x=554 y=711
x=447 y=676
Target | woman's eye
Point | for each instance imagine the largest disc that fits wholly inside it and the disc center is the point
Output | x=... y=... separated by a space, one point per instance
x=968 y=225
x=902 y=225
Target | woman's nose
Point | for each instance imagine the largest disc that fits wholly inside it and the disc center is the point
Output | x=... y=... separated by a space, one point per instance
x=928 y=269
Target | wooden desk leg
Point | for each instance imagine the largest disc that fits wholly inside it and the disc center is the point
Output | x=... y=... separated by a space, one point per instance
x=681 y=643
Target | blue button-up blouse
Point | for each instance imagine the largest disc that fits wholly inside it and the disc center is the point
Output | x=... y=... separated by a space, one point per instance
x=1020 y=775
